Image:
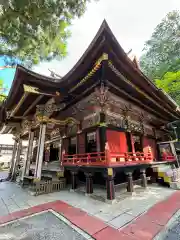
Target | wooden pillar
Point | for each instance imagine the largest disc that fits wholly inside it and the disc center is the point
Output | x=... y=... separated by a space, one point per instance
x=17 y=159
x=40 y=150
x=130 y=186
x=60 y=152
x=13 y=158
x=132 y=143
x=27 y=161
x=73 y=180
x=89 y=183
x=102 y=133
x=30 y=152
x=143 y=178
x=110 y=184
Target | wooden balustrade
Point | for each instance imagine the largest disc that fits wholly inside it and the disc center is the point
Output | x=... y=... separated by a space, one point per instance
x=95 y=158
x=43 y=187
x=107 y=158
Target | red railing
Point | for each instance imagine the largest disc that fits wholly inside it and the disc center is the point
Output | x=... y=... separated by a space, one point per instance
x=107 y=158
x=95 y=158
x=169 y=158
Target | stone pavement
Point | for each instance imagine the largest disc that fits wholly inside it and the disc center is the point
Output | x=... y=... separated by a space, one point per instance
x=3 y=174
x=14 y=198
x=138 y=217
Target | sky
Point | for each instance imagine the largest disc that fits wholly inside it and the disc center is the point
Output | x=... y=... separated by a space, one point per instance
x=132 y=22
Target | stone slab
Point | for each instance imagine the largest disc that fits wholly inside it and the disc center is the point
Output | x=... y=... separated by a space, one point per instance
x=42 y=226
x=121 y=220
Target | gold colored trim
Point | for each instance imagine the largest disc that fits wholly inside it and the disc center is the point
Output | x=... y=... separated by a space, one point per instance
x=97 y=65
x=63 y=122
x=19 y=104
x=30 y=89
x=46 y=119
x=41 y=118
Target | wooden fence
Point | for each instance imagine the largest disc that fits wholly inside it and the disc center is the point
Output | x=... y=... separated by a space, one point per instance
x=44 y=187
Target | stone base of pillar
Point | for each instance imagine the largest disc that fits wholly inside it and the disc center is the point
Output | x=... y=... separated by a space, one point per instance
x=72 y=190
x=111 y=201
x=88 y=194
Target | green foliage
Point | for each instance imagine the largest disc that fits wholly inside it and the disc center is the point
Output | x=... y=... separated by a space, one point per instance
x=170 y=83
x=37 y=30
x=162 y=50
x=2 y=91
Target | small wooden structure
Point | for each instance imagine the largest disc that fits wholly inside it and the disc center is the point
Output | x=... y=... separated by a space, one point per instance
x=44 y=187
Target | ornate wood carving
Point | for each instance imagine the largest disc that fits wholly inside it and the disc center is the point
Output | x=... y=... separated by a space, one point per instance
x=72 y=129
x=134 y=126
x=115 y=119
x=55 y=133
x=148 y=130
x=91 y=120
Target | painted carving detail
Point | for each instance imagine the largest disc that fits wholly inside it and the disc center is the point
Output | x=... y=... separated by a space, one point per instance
x=115 y=119
x=55 y=133
x=134 y=126
x=91 y=120
x=72 y=129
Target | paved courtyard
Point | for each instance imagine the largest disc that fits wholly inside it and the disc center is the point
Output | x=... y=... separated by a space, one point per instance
x=14 y=198
x=141 y=216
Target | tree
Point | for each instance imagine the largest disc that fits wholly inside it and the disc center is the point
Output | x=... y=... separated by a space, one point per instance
x=170 y=83
x=162 y=50
x=2 y=90
x=36 y=30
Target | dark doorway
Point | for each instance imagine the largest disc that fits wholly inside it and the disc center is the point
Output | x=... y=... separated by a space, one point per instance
x=72 y=146
x=54 y=153
x=137 y=143
x=129 y=143
x=91 y=145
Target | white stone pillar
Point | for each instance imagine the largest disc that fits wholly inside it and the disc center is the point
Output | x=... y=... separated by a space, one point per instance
x=17 y=159
x=40 y=150
x=13 y=158
x=28 y=155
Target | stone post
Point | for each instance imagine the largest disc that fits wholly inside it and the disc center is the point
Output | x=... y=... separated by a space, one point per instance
x=40 y=150
x=89 y=183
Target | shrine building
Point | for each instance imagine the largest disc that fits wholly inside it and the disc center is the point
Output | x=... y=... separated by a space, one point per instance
x=99 y=124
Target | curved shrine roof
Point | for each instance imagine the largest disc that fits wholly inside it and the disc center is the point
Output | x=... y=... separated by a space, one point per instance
x=128 y=75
